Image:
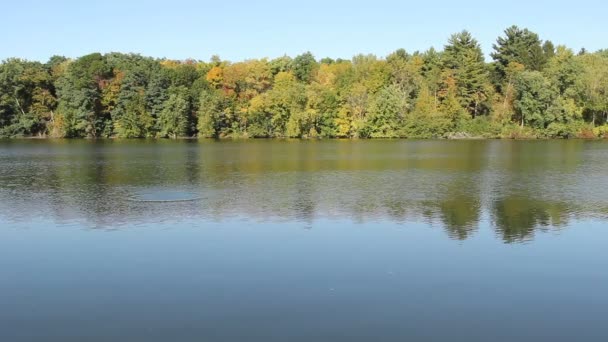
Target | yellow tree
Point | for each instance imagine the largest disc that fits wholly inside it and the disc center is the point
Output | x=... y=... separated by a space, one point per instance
x=450 y=105
x=215 y=76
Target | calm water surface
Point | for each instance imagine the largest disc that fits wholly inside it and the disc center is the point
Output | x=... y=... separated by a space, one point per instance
x=303 y=241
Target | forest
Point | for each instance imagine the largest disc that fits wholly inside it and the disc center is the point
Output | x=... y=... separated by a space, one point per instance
x=529 y=88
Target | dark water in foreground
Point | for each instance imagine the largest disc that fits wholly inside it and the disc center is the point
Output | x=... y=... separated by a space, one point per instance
x=304 y=241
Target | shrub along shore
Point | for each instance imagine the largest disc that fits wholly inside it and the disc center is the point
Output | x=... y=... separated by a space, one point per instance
x=529 y=89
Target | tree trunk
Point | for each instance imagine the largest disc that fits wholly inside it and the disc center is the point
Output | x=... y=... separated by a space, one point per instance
x=475 y=110
x=19 y=105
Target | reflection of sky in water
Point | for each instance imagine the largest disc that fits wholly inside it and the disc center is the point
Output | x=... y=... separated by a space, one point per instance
x=260 y=281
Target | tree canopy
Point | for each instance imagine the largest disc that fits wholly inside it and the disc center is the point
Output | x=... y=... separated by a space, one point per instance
x=530 y=88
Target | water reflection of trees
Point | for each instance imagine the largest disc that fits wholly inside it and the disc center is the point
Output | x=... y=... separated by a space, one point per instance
x=460 y=203
x=460 y=215
x=303 y=182
x=516 y=218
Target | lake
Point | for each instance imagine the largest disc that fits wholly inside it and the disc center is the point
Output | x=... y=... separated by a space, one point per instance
x=269 y=240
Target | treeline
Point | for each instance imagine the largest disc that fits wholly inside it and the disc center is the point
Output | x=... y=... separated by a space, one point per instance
x=530 y=89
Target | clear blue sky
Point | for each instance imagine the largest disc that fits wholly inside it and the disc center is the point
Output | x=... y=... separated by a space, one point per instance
x=239 y=29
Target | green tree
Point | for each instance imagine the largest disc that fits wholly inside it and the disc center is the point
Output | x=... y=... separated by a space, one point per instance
x=564 y=70
x=593 y=85
x=211 y=118
x=174 y=120
x=464 y=58
x=27 y=98
x=534 y=95
x=520 y=46
x=280 y=64
x=548 y=50
x=157 y=91
x=136 y=122
x=387 y=113
x=406 y=72
x=282 y=104
x=303 y=67
x=322 y=108
x=79 y=92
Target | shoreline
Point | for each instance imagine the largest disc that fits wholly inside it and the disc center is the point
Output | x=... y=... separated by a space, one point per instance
x=308 y=139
